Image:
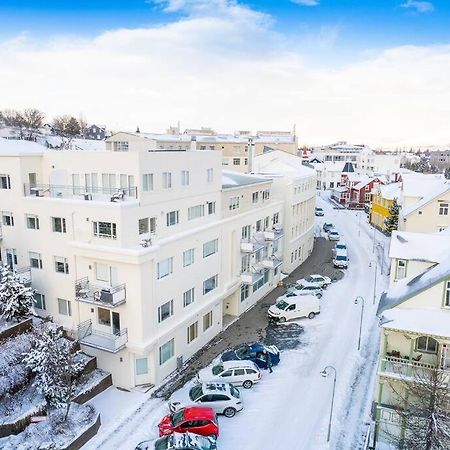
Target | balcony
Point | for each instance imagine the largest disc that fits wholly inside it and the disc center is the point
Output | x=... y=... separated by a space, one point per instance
x=405 y=369
x=80 y=192
x=110 y=297
x=272 y=262
x=252 y=274
x=109 y=342
x=252 y=245
x=276 y=233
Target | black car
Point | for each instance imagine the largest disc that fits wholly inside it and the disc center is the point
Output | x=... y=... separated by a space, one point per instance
x=327 y=226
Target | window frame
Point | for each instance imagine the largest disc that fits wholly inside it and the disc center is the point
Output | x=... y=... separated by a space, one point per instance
x=215 y=280
x=192 y=332
x=207 y=321
x=37 y=257
x=61 y=260
x=62 y=225
x=68 y=307
x=426 y=349
x=191 y=253
x=162 y=316
x=171 y=344
x=98 y=225
x=39 y=304
x=32 y=221
x=148 y=182
x=159 y=273
x=7 y=182
x=188 y=297
x=176 y=217
x=214 y=247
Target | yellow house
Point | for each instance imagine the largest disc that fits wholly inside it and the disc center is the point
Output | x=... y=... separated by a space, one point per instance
x=382 y=200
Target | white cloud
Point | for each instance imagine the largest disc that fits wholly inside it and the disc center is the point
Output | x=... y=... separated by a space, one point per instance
x=231 y=71
x=306 y=2
x=418 y=6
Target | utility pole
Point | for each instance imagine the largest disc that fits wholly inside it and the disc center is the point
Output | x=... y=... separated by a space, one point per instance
x=361 y=320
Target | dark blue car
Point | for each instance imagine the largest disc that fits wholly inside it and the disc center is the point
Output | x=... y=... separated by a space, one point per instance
x=253 y=352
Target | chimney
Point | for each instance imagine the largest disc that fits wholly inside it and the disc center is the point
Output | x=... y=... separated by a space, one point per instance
x=193 y=146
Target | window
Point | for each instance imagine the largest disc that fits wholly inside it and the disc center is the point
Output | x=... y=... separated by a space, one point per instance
x=275 y=218
x=102 y=272
x=141 y=366
x=166 y=351
x=61 y=265
x=447 y=294
x=443 y=209
x=192 y=332
x=255 y=196
x=188 y=297
x=211 y=247
x=32 y=222
x=245 y=232
x=266 y=222
x=147 y=182
x=39 y=301
x=258 y=225
x=234 y=203
x=5 y=182
x=8 y=218
x=165 y=267
x=104 y=316
x=188 y=257
x=261 y=281
x=58 y=224
x=167 y=180
x=172 y=218
x=210 y=284
x=184 y=178
x=209 y=175
x=194 y=212
x=266 y=194
x=426 y=344
x=165 y=311
x=105 y=230
x=35 y=260
x=401 y=269
x=245 y=263
x=245 y=288
x=64 y=307
x=236 y=161
x=211 y=207
x=120 y=146
x=207 y=321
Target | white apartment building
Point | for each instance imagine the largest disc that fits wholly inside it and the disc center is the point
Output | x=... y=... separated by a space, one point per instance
x=143 y=255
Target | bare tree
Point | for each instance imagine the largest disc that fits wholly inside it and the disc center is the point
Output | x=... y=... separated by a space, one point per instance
x=68 y=127
x=33 y=119
x=423 y=405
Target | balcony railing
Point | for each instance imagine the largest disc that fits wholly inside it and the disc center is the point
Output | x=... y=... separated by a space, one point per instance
x=105 y=296
x=272 y=262
x=404 y=368
x=253 y=244
x=274 y=234
x=110 y=342
x=253 y=273
x=80 y=192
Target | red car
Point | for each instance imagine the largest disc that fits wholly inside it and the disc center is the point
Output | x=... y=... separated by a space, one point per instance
x=198 y=420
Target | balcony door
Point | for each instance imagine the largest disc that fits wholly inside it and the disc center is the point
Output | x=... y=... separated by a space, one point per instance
x=115 y=322
x=11 y=258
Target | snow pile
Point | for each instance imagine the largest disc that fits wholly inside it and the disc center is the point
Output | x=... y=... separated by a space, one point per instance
x=24 y=403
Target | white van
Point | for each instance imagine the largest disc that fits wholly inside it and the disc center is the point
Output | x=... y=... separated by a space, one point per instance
x=340 y=259
x=296 y=307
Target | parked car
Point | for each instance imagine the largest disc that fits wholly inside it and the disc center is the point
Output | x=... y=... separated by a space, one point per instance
x=340 y=259
x=223 y=398
x=197 y=419
x=340 y=246
x=180 y=441
x=298 y=289
x=319 y=212
x=294 y=308
x=239 y=373
x=333 y=235
x=315 y=280
x=327 y=226
x=253 y=352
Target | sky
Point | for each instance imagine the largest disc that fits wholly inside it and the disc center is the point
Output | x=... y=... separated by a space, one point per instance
x=374 y=72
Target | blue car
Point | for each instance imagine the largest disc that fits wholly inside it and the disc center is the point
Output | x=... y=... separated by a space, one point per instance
x=253 y=352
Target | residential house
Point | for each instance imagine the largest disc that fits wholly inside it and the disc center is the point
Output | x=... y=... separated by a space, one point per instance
x=383 y=197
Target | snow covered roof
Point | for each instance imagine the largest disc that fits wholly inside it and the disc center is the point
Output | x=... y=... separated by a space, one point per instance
x=419 y=246
x=13 y=147
x=443 y=188
x=364 y=182
x=340 y=189
x=390 y=191
x=419 y=184
x=281 y=163
x=235 y=179
x=412 y=286
x=434 y=322
x=88 y=144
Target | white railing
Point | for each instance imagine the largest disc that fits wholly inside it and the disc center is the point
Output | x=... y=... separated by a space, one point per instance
x=110 y=342
x=409 y=369
x=111 y=296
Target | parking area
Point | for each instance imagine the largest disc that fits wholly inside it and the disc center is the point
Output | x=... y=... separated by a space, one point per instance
x=253 y=324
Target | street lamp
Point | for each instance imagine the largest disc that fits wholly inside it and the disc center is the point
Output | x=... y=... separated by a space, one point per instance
x=373 y=241
x=375 y=279
x=324 y=373
x=361 y=320
x=382 y=257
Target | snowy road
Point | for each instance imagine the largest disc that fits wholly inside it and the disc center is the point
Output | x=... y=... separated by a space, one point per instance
x=290 y=408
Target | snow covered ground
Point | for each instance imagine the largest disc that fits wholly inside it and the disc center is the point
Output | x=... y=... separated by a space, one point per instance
x=290 y=408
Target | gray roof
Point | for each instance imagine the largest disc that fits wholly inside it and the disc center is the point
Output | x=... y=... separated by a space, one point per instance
x=235 y=179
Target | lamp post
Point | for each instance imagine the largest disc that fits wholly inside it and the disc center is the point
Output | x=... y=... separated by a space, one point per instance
x=382 y=257
x=375 y=278
x=324 y=373
x=373 y=241
x=361 y=320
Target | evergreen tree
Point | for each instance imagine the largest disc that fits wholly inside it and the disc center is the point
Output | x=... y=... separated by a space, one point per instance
x=391 y=221
x=52 y=360
x=16 y=299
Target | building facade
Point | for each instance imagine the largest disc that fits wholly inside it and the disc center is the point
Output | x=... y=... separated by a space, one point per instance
x=383 y=198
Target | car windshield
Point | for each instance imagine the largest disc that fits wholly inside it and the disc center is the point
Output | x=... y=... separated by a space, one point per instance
x=282 y=305
x=241 y=352
x=341 y=258
x=195 y=392
x=177 y=417
x=217 y=369
x=309 y=278
x=234 y=391
x=340 y=246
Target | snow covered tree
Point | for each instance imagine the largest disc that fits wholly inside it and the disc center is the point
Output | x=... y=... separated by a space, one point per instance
x=53 y=362
x=16 y=299
x=391 y=221
x=423 y=406
x=447 y=173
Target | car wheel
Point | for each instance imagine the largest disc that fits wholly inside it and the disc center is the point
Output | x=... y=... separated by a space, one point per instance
x=319 y=295
x=311 y=315
x=247 y=384
x=282 y=319
x=229 y=412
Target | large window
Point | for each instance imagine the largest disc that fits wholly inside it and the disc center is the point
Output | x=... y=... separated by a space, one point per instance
x=192 y=332
x=233 y=203
x=147 y=182
x=104 y=316
x=172 y=218
x=211 y=247
x=35 y=260
x=61 y=265
x=210 y=284
x=165 y=311
x=166 y=351
x=64 y=307
x=194 y=212
x=443 y=209
x=188 y=257
x=7 y=218
x=39 y=301
x=185 y=178
x=401 y=269
x=32 y=221
x=245 y=288
x=165 y=267
x=59 y=224
x=147 y=225
x=5 y=182
x=207 y=320
x=426 y=344
x=105 y=230
x=447 y=293
x=188 y=297
x=120 y=146
x=167 y=180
